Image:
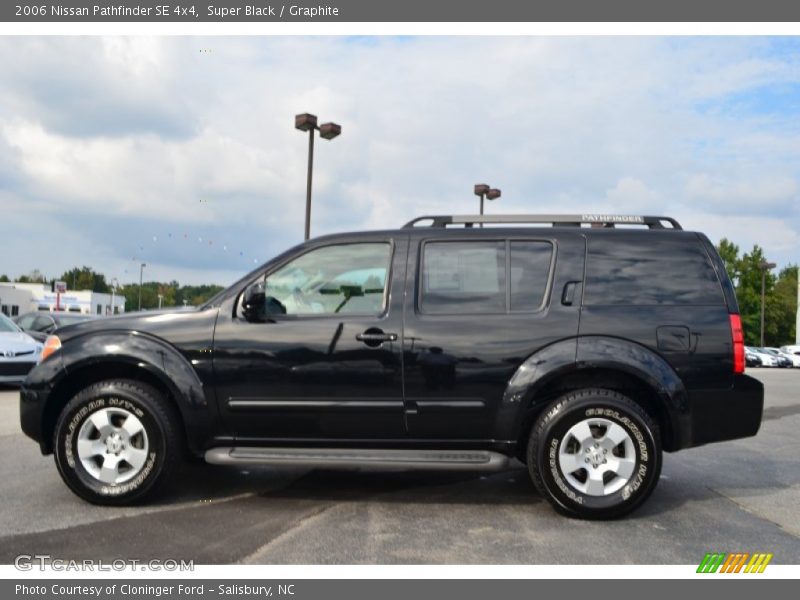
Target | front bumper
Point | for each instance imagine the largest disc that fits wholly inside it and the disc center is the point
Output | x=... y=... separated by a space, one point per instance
x=34 y=395
x=728 y=414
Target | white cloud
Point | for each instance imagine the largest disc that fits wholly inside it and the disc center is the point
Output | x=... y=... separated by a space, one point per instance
x=118 y=140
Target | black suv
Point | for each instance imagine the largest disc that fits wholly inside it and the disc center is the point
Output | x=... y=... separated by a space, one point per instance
x=582 y=345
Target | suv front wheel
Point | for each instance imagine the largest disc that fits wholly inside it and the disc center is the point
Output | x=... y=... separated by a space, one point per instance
x=116 y=442
x=595 y=454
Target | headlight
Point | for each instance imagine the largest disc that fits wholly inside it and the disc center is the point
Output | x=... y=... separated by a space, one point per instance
x=51 y=344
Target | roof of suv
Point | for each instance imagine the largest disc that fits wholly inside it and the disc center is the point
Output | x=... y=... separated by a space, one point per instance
x=563 y=220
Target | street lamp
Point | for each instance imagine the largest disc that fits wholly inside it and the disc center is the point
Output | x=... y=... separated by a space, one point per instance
x=764 y=266
x=114 y=284
x=328 y=131
x=141 y=270
x=484 y=190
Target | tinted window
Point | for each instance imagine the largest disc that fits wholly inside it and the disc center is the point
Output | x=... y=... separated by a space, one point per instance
x=43 y=324
x=649 y=268
x=530 y=266
x=464 y=277
x=349 y=278
x=26 y=321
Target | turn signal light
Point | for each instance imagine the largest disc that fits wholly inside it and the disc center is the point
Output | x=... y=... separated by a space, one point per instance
x=51 y=344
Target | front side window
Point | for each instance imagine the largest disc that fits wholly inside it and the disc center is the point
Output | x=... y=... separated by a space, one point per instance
x=344 y=279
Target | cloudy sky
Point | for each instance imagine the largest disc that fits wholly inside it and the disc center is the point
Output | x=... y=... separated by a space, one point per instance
x=180 y=151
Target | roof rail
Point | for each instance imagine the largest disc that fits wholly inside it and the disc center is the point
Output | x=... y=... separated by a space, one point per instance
x=597 y=220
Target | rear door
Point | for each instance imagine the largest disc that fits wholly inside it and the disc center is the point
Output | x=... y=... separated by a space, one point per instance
x=481 y=304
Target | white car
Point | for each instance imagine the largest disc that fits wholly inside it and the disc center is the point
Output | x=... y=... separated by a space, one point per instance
x=793 y=350
x=19 y=352
x=767 y=360
x=794 y=357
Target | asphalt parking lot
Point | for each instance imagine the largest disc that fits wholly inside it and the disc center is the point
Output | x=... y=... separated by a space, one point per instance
x=734 y=496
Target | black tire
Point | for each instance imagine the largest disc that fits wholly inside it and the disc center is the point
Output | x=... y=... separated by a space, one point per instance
x=161 y=431
x=551 y=433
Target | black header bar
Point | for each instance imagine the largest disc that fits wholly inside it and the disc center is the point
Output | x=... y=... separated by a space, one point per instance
x=463 y=11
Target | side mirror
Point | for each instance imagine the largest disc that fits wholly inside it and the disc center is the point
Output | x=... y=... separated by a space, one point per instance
x=254 y=303
x=257 y=306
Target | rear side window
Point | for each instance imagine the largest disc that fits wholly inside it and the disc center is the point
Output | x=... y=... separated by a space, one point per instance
x=649 y=270
x=484 y=277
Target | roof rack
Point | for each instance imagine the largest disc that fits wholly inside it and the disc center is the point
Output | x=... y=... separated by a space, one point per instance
x=598 y=220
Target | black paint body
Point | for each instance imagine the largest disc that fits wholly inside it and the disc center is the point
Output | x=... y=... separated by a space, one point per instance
x=448 y=381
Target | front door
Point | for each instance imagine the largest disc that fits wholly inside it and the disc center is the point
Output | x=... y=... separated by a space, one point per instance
x=321 y=357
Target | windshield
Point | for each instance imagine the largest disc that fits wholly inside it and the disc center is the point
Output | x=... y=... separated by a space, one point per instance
x=7 y=325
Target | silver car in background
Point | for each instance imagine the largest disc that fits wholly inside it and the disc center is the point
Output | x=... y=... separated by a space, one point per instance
x=19 y=352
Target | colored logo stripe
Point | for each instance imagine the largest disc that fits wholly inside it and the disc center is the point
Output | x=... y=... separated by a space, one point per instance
x=711 y=563
x=734 y=562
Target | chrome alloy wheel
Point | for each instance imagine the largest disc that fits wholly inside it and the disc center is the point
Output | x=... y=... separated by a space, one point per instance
x=597 y=457
x=112 y=445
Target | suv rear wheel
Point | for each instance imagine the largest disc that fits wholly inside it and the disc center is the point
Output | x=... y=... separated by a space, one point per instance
x=115 y=442
x=595 y=454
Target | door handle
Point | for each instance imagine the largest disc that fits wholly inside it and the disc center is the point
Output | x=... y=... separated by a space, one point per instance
x=375 y=337
x=568 y=295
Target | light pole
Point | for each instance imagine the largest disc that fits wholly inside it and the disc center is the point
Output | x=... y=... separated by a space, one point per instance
x=484 y=190
x=797 y=319
x=141 y=270
x=764 y=266
x=114 y=284
x=328 y=131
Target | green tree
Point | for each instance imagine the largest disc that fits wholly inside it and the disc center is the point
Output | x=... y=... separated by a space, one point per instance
x=4 y=278
x=729 y=252
x=783 y=304
x=748 y=293
x=780 y=293
x=34 y=276
x=85 y=278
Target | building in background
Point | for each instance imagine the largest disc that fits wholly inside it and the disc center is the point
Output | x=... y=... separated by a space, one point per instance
x=18 y=298
x=14 y=301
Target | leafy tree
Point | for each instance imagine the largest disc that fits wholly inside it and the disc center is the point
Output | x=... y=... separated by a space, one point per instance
x=4 y=278
x=729 y=252
x=34 y=276
x=780 y=292
x=173 y=294
x=784 y=304
x=85 y=278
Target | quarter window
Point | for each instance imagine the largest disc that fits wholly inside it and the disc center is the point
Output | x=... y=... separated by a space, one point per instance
x=529 y=270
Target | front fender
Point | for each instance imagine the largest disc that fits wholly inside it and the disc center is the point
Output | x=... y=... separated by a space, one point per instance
x=49 y=383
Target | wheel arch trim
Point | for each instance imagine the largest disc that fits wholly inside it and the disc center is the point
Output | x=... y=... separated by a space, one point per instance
x=523 y=396
x=133 y=355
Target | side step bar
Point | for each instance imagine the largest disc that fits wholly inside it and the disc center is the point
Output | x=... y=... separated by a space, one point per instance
x=467 y=460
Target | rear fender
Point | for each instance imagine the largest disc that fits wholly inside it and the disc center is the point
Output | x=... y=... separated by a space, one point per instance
x=544 y=369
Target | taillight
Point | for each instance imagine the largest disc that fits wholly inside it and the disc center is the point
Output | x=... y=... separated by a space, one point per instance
x=738 y=343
